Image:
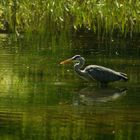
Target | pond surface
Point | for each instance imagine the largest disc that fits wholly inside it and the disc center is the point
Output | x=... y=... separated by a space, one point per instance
x=43 y=100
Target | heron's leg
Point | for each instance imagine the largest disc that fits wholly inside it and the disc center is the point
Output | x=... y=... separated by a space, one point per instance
x=103 y=84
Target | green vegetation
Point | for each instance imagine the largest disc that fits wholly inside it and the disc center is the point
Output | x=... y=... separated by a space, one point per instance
x=103 y=17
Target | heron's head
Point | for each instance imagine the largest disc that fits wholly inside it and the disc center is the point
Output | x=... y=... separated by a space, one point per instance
x=74 y=59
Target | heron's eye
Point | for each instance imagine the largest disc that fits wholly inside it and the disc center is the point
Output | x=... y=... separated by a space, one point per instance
x=76 y=57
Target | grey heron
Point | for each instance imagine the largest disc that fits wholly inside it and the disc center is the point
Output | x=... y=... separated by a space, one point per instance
x=94 y=72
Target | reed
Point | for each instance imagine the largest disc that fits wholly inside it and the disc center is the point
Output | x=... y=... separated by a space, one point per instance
x=103 y=17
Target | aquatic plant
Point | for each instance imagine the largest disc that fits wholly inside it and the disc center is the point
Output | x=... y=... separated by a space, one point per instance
x=103 y=17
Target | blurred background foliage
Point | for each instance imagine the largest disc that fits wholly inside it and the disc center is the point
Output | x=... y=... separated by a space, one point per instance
x=102 y=17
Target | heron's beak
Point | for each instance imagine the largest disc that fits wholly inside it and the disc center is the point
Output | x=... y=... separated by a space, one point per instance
x=66 y=61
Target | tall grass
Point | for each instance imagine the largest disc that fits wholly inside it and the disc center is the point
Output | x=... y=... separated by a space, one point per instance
x=104 y=17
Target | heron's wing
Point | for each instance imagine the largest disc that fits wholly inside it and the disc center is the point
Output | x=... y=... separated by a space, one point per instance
x=102 y=74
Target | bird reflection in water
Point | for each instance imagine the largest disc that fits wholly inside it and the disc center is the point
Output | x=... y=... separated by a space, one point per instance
x=90 y=95
x=101 y=74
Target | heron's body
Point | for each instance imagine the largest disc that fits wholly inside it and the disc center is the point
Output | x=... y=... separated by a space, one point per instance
x=94 y=72
x=102 y=74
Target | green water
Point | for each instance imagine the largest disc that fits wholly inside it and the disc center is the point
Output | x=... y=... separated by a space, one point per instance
x=43 y=100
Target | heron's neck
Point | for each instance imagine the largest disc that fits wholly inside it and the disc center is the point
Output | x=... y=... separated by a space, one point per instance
x=79 y=65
